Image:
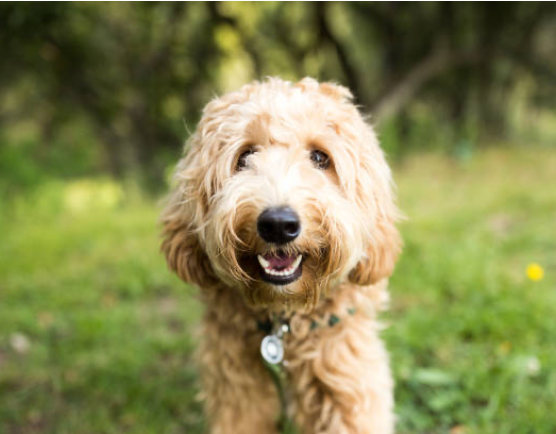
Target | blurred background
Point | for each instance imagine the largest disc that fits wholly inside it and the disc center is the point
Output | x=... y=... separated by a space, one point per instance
x=96 y=101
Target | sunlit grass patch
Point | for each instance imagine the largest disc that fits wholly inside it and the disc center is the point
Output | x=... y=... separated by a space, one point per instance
x=96 y=335
x=92 y=195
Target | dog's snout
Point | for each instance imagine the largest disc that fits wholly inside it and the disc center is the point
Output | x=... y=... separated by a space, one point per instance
x=278 y=225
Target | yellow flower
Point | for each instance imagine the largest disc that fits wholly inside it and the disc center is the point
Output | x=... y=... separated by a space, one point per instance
x=535 y=272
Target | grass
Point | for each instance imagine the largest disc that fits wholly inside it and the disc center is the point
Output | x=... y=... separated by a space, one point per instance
x=96 y=335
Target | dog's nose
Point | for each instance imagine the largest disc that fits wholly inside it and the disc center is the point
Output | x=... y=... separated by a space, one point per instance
x=278 y=225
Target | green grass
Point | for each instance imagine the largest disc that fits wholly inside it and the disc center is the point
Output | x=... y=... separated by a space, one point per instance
x=96 y=335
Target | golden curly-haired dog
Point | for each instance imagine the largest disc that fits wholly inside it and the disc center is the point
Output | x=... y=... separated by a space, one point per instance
x=283 y=212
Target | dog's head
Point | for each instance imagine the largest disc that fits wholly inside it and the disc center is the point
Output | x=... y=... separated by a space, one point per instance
x=283 y=192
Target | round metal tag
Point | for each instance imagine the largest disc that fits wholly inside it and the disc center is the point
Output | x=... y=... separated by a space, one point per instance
x=272 y=349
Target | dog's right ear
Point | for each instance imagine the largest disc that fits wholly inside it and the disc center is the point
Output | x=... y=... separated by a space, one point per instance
x=184 y=254
x=181 y=246
x=181 y=241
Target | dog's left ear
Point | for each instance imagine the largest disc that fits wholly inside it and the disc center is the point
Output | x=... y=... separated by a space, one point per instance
x=376 y=198
x=380 y=258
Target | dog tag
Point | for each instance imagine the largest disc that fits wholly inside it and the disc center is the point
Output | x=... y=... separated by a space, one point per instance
x=272 y=349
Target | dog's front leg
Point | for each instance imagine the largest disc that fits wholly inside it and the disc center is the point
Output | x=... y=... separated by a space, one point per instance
x=239 y=395
x=342 y=381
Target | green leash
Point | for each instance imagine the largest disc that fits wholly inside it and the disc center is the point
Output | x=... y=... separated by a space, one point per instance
x=272 y=351
x=284 y=423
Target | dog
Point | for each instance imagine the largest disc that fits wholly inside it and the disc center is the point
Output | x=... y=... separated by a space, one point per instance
x=283 y=213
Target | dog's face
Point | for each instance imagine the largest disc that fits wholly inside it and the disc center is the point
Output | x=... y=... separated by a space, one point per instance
x=283 y=192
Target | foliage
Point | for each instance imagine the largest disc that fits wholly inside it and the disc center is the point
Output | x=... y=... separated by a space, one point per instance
x=96 y=334
x=111 y=84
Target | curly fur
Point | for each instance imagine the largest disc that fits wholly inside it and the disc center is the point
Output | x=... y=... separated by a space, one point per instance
x=338 y=376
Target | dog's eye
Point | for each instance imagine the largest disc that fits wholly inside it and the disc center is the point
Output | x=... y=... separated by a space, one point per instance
x=320 y=159
x=242 y=159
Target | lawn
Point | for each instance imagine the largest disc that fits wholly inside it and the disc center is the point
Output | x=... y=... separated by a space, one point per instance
x=96 y=335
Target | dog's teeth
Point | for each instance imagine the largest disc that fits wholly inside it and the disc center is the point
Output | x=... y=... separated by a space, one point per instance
x=290 y=271
x=296 y=263
x=284 y=273
x=264 y=263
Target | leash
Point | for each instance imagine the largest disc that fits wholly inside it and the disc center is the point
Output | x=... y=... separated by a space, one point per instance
x=272 y=352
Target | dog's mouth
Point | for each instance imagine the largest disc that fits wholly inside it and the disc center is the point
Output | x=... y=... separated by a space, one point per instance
x=280 y=268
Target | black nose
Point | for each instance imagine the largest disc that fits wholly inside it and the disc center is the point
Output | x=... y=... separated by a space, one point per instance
x=278 y=225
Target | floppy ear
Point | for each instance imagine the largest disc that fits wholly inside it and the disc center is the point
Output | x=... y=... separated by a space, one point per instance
x=380 y=258
x=181 y=245
x=196 y=181
x=376 y=198
x=182 y=248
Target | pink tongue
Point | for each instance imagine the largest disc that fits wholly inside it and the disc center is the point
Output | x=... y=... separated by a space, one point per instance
x=281 y=262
